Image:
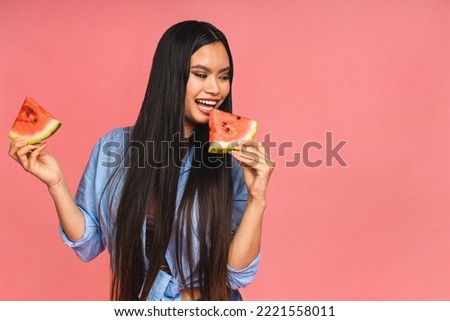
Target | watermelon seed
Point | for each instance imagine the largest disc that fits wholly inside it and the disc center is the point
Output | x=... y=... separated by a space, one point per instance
x=227 y=129
x=238 y=117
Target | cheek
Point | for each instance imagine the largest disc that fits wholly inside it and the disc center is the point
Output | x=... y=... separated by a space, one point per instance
x=192 y=88
x=225 y=89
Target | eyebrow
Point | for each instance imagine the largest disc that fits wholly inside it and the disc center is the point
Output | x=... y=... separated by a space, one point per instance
x=209 y=70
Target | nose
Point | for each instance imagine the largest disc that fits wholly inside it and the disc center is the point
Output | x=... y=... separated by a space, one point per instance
x=212 y=87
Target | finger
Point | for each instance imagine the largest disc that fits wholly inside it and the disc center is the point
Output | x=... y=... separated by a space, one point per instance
x=247 y=144
x=244 y=155
x=15 y=145
x=253 y=146
x=261 y=151
x=243 y=159
x=257 y=155
x=24 y=153
x=34 y=155
x=252 y=143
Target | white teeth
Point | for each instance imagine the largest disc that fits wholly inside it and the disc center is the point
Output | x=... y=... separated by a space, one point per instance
x=207 y=102
x=204 y=108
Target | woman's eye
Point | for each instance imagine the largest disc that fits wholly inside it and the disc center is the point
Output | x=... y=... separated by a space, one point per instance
x=226 y=77
x=199 y=75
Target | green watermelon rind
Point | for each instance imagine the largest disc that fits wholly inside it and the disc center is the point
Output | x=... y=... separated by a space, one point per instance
x=51 y=128
x=219 y=147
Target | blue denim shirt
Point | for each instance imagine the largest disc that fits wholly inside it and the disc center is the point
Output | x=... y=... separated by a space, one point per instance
x=92 y=199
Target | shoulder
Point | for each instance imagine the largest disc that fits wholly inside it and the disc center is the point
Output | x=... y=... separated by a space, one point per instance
x=120 y=135
x=110 y=147
x=115 y=140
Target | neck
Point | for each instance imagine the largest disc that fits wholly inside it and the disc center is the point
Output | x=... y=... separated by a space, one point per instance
x=188 y=131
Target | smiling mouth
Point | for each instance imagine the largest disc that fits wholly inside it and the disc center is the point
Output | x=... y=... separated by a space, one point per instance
x=206 y=105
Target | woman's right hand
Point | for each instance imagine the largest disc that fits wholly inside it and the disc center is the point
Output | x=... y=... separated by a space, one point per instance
x=37 y=161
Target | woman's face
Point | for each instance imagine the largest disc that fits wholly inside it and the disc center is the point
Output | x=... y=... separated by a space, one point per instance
x=208 y=84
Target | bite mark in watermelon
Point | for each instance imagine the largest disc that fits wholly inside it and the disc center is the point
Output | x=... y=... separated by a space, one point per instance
x=33 y=123
x=226 y=130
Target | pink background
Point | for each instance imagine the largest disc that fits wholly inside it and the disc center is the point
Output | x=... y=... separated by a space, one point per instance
x=375 y=73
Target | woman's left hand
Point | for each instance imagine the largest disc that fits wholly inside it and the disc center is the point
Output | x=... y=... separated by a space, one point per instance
x=257 y=167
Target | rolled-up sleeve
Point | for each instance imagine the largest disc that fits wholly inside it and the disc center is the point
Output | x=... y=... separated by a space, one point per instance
x=241 y=278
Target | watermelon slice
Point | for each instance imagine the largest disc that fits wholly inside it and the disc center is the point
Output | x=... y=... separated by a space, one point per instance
x=226 y=130
x=33 y=123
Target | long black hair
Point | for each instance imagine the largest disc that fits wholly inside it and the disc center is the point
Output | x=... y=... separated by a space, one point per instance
x=151 y=185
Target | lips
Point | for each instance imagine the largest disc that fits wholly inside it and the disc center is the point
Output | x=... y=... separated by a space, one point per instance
x=206 y=105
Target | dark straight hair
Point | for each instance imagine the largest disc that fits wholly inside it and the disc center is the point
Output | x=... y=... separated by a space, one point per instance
x=161 y=119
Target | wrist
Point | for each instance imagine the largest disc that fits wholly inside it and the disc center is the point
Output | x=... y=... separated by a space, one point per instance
x=55 y=188
x=256 y=202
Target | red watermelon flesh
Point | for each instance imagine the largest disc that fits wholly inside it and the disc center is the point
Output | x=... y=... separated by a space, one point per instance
x=227 y=129
x=33 y=123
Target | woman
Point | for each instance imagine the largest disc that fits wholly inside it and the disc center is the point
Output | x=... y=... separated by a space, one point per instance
x=178 y=226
